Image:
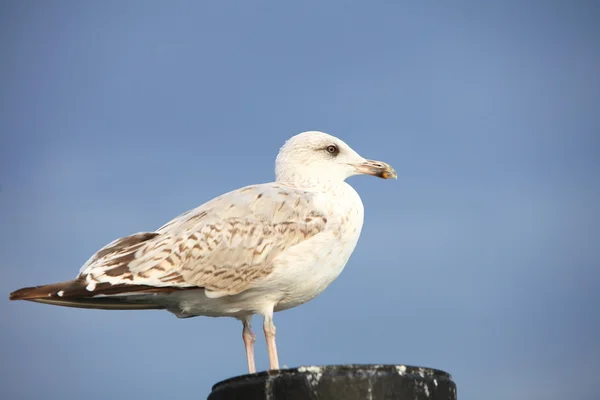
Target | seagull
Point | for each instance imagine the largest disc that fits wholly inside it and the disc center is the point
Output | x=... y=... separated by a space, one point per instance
x=253 y=251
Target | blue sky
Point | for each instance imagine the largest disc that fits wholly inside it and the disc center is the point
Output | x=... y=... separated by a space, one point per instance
x=481 y=260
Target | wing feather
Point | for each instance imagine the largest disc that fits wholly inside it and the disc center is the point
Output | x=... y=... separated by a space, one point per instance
x=222 y=246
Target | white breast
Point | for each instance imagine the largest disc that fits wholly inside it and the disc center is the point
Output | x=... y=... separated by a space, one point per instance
x=307 y=269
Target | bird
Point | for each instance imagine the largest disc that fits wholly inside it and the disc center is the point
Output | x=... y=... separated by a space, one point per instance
x=257 y=250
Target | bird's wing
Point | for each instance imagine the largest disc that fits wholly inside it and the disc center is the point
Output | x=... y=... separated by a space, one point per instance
x=222 y=246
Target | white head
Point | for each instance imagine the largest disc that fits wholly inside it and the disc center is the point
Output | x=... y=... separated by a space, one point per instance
x=317 y=156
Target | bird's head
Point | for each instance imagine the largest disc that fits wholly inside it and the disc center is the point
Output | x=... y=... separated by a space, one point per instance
x=314 y=155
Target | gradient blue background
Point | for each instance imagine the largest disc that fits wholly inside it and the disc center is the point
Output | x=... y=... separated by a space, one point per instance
x=482 y=259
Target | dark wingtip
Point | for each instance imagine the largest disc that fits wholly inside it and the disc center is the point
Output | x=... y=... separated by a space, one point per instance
x=37 y=292
x=21 y=294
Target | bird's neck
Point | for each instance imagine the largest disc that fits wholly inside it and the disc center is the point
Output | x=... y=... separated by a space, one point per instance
x=309 y=182
x=309 y=178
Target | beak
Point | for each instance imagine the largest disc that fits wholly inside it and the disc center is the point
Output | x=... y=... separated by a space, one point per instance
x=376 y=168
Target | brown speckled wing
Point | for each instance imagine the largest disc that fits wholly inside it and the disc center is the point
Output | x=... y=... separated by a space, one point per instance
x=222 y=246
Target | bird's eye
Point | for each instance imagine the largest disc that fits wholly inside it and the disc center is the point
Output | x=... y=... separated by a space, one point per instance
x=333 y=149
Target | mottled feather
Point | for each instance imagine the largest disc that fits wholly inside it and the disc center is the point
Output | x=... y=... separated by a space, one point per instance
x=223 y=246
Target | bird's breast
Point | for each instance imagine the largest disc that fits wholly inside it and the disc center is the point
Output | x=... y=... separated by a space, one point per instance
x=311 y=266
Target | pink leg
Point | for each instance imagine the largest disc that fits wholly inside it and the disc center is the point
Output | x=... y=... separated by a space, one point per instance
x=269 y=329
x=249 y=339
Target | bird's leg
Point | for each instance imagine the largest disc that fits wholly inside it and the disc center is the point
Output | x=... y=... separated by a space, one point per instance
x=249 y=339
x=269 y=328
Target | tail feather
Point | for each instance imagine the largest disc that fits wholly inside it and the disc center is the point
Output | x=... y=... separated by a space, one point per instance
x=104 y=296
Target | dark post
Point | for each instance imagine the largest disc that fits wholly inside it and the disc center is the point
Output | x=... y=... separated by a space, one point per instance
x=347 y=382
